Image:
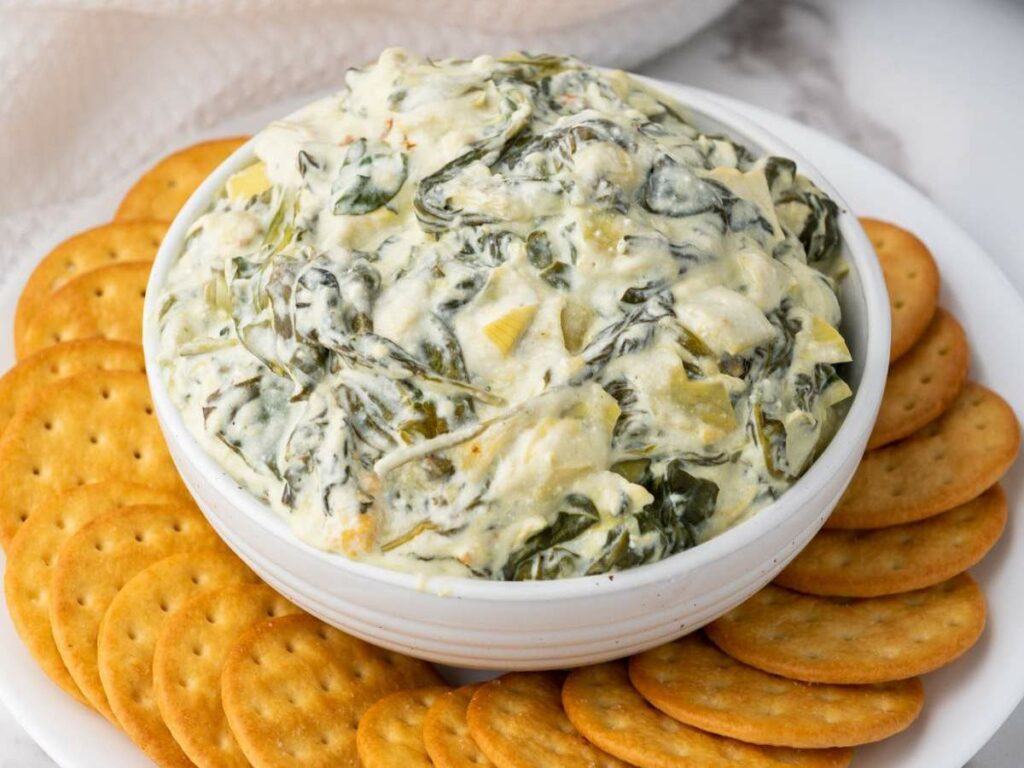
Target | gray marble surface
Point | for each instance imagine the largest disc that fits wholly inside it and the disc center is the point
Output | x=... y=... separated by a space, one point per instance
x=933 y=89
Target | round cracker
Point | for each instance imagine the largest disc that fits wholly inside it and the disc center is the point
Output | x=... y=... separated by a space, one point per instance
x=390 y=733
x=163 y=189
x=911 y=278
x=128 y=636
x=101 y=246
x=32 y=554
x=294 y=690
x=187 y=664
x=886 y=561
x=105 y=303
x=83 y=429
x=95 y=563
x=446 y=732
x=694 y=682
x=869 y=640
x=518 y=722
x=33 y=373
x=603 y=706
x=923 y=383
x=948 y=463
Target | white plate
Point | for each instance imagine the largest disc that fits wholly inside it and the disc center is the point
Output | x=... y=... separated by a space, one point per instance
x=966 y=703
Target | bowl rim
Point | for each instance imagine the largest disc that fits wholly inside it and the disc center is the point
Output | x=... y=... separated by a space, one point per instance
x=850 y=438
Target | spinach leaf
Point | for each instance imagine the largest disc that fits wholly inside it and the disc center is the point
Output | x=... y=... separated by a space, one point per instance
x=630 y=333
x=674 y=190
x=681 y=503
x=368 y=178
x=539 y=556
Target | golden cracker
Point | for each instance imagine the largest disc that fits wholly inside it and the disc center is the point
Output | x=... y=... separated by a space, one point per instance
x=886 y=561
x=163 y=189
x=32 y=554
x=33 y=373
x=294 y=690
x=911 y=278
x=93 y=426
x=694 y=682
x=129 y=632
x=187 y=664
x=869 y=640
x=603 y=705
x=105 y=303
x=924 y=382
x=517 y=720
x=446 y=732
x=948 y=463
x=100 y=246
x=390 y=733
x=97 y=561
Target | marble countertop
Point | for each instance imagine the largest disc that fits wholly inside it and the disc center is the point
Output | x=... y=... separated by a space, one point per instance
x=931 y=90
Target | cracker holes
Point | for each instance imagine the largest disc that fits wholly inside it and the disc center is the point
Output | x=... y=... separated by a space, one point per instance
x=105 y=393
x=94 y=439
x=137 y=455
x=99 y=545
x=211 y=618
x=898 y=304
x=165 y=606
x=99 y=293
x=942 y=351
x=140 y=537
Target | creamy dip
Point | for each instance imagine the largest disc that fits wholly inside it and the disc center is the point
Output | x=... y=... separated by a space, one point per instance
x=513 y=318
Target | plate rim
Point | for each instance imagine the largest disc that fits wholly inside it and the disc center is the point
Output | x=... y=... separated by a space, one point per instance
x=50 y=730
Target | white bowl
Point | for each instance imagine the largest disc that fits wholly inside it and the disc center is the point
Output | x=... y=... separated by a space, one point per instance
x=539 y=625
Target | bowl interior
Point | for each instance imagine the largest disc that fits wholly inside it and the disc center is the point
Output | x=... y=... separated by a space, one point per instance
x=865 y=326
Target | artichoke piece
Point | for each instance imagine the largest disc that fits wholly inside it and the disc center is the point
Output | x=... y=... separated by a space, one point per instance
x=707 y=401
x=506 y=331
x=825 y=344
x=248 y=183
x=575 y=319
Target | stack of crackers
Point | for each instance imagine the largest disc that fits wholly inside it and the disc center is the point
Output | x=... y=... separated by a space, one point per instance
x=131 y=603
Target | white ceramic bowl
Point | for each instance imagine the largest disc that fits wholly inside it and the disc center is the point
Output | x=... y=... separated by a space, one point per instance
x=537 y=625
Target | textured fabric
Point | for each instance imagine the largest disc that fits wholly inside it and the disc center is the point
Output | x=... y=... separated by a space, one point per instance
x=92 y=90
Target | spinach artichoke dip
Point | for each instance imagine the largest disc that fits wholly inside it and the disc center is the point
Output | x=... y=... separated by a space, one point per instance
x=511 y=318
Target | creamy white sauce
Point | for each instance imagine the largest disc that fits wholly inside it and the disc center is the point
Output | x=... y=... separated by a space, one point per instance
x=512 y=318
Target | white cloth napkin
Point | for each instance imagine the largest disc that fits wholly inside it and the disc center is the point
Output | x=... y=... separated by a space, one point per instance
x=91 y=90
